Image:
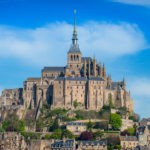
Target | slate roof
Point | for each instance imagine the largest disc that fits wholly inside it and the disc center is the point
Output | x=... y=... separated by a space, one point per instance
x=80 y=78
x=63 y=144
x=96 y=78
x=141 y=129
x=72 y=78
x=59 y=69
x=115 y=85
x=95 y=143
x=33 y=79
x=86 y=58
x=128 y=138
x=74 y=49
x=144 y=121
x=143 y=148
x=148 y=126
x=76 y=78
x=76 y=123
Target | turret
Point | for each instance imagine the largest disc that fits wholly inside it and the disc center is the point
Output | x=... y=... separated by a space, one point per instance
x=94 y=67
x=104 y=72
x=109 y=81
x=124 y=84
x=84 y=68
x=100 y=70
x=89 y=67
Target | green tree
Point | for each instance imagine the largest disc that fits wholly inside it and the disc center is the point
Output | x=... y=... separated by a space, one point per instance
x=98 y=135
x=55 y=125
x=31 y=135
x=115 y=121
x=75 y=104
x=1 y=129
x=20 y=126
x=39 y=124
x=14 y=125
x=57 y=134
x=110 y=101
x=47 y=137
x=131 y=131
x=5 y=125
x=90 y=125
x=118 y=147
x=67 y=134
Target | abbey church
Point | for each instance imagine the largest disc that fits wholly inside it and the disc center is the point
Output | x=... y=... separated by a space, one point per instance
x=82 y=81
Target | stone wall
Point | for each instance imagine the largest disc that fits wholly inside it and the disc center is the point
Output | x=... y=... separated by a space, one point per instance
x=40 y=144
x=12 y=141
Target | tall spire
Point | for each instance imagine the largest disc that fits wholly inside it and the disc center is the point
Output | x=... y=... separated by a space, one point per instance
x=74 y=37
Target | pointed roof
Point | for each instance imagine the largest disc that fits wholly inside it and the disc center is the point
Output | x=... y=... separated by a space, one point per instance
x=74 y=46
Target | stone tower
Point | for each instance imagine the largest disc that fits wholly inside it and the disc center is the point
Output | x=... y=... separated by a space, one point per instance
x=74 y=54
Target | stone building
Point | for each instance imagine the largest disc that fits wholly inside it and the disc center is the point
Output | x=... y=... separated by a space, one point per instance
x=82 y=80
x=92 y=145
x=143 y=133
x=11 y=97
x=76 y=127
x=13 y=141
x=126 y=123
x=144 y=122
x=129 y=142
x=66 y=144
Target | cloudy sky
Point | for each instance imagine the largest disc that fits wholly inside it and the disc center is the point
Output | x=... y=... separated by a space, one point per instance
x=37 y=33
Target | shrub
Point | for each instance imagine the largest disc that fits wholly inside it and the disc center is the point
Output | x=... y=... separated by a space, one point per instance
x=47 y=136
x=101 y=125
x=98 y=135
x=90 y=125
x=67 y=134
x=56 y=134
x=55 y=125
x=31 y=135
x=86 y=135
x=14 y=125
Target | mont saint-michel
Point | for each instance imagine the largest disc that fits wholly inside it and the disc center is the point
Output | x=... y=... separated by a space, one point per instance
x=82 y=80
x=73 y=107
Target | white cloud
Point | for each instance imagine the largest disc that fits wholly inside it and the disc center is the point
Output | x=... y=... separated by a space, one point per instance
x=140 y=87
x=46 y=45
x=134 y=2
x=140 y=90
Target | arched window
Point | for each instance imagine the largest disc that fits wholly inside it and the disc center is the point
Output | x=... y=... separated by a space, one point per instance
x=71 y=58
x=77 y=58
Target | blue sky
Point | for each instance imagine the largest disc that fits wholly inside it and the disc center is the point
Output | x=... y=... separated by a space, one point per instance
x=37 y=33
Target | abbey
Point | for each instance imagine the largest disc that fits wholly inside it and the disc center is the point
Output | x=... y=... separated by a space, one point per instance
x=82 y=81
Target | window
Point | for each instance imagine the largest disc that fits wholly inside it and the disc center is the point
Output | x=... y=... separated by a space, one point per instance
x=77 y=57
x=71 y=58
